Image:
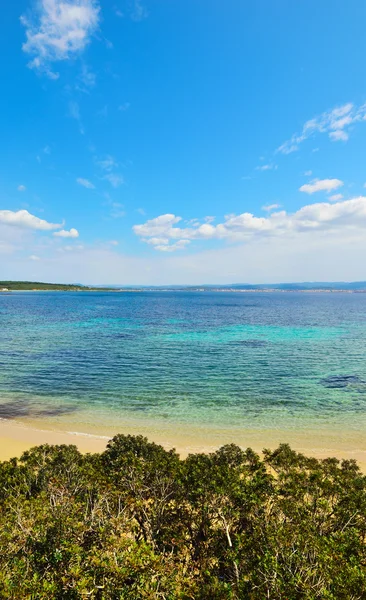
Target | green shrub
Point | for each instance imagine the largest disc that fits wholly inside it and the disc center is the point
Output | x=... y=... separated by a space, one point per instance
x=136 y=522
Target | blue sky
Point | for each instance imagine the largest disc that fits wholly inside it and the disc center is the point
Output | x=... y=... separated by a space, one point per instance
x=157 y=141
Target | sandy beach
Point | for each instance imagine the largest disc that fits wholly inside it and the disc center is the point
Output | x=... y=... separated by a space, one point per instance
x=16 y=437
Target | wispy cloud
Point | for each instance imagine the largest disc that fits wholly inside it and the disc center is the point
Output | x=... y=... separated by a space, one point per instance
x=75 y=247
x=72 y=233
x=114 y=179
x=86 y=80
x=136 y=11
x=336 y=197
x=123 y=107
x=45 y=150
x=34 y=257
x=321 y=185
x=339 y=135
x=269 y=167
x=270 y=207
x=165 y=235
x=162 y=244
x=21 y=188
x=22 y=218
x=74 y=112
x=109 y=165
x=139 y=12
x=117 y=210
x=180 y=245
x=57 y=30
x=85 y=183
x=102 y=113
x=335 y=123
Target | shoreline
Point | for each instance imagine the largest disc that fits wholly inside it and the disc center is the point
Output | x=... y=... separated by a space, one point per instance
x=16 y=437
x=195 y=290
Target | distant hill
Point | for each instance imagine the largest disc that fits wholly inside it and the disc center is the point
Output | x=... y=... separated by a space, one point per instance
x=37 y=285
x=302 y=286
x=313 y=285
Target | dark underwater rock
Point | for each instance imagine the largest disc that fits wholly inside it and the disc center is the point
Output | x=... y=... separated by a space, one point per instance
x=341 y=381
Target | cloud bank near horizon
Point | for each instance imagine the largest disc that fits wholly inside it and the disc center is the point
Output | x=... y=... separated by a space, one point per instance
x=164 y=233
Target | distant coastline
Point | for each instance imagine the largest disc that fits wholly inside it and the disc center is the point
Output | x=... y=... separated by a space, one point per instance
x=306 y=287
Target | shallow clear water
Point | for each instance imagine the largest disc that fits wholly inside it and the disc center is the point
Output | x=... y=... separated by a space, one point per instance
x=251 y=360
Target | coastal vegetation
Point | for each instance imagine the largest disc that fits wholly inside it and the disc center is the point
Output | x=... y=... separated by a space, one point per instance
x=40 y=286
x=137 y=522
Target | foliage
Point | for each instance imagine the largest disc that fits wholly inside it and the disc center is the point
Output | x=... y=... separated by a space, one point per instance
x=36 y=285
x=136 y=522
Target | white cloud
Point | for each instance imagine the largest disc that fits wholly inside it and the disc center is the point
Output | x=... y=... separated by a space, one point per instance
x=180 y=245
x=193 y=222
x=163 y=232
x=21 y=188
x=308 y=173
x=156 y=227
x=114 y=179
x=59 y=30
x=34 y=257
x=77 y=247
x=117 y=210
x=73 y=233
x=22 y=218
x=74 y=110
x=270 y=207
x=139 y=11
x=321 y=185
x=313 y=256
x=85 y=183
x=338 y=135
x=335 y=123
x=336 y=197
x=268 y=167
x=108 y=163
x=87 y=79
x=156 y=241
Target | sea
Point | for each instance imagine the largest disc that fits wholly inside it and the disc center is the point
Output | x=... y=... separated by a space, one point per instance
x=95 y=361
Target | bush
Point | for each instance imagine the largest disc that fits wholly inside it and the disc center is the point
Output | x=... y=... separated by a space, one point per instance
x=136 y=522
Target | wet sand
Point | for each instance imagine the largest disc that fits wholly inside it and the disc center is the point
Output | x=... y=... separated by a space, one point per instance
x=16 y=437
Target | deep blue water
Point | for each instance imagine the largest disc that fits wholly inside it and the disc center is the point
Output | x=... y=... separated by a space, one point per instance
x=230 y=359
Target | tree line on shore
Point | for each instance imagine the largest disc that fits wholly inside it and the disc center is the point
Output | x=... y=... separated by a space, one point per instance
x=137 y=522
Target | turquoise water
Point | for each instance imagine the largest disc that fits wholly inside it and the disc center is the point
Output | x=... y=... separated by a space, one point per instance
x=216 y=359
